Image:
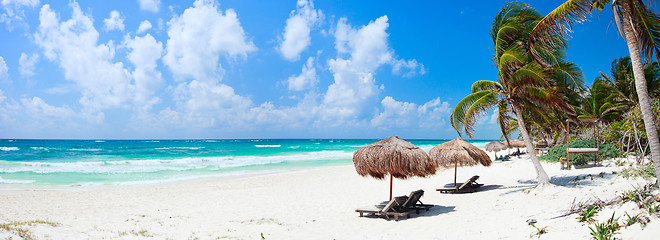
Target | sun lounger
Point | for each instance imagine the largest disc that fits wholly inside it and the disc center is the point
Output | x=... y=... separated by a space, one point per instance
x=393 y=208
x=469 y=186
x=413 y=202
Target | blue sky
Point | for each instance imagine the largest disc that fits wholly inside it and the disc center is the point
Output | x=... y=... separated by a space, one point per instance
x=255 y=69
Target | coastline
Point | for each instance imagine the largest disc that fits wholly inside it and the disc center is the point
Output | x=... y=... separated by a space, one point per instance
x=320 y=203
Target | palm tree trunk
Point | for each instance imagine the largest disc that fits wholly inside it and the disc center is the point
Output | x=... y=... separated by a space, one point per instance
x=541 y=176
x=640 y=85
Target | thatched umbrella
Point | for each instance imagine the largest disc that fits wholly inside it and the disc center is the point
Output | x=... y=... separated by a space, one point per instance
x=458 y=153
x=514 y=143
x=395 y=157
x=495 y=146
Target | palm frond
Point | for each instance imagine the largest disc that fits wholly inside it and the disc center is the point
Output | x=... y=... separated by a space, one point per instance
x=482 y=85
x=558 y=22
x=458 y=120
x=477 y=109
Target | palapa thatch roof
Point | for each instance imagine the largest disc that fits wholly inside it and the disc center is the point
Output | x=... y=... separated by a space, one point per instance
x=459 y=153
x=514 y=143
x=495 y=146
x=393 y=155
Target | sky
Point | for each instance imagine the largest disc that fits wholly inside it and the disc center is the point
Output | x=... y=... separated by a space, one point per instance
x=157 y=69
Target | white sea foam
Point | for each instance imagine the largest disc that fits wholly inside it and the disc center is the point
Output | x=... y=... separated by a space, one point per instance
x=9 y=148
x=100 y=141
x=268 y=146
x=39 y=148
x=151 y=141
x=157 y=165
x=87 y=149
x=14 y=181
x=180 y=148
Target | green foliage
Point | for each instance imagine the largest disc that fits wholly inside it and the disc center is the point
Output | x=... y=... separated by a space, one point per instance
x=605 y=151
x=653 y=208
x=539 y=230
x=606 y=230
x=588 y=214
x=644 y=171
x=632 y=219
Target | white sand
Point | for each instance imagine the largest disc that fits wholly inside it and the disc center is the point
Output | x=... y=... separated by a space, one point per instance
x=320 y=204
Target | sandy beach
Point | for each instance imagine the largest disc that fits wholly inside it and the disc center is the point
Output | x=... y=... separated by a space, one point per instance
x=320 y=203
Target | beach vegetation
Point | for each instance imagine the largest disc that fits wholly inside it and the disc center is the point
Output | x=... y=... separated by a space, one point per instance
x=605 y=151
x=630 y=220
x=588 y=214
x=523 y=88
x=538 y=230
x=606 y=230
x=19 y=227
x=640 y=28
x=645 y=171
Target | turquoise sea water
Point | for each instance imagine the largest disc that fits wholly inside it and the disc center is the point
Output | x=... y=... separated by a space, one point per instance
x=125 y=162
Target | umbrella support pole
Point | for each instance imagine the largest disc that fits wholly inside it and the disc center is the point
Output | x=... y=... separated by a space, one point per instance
x=455 y=171
x=391 y=186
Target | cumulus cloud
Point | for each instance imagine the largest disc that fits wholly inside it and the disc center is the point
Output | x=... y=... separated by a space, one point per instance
x=296 y=37
x=307 y=78
x=73 y=44
x=354 y=87
x=200 y=36
x=144 y=26
x=26 y=64
x=115 y=22
x=352 y=96
x=13 y=13
x=198 y=39
x=149 y=5
x=395 y=114
x=4 y=71
x=145 y=51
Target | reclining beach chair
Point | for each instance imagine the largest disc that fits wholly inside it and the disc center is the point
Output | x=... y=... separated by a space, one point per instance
x=393 y=208
x=413 y=202
x=469 y=186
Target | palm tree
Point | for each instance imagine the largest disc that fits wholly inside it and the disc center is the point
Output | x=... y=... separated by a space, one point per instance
x=636 y=23
x=623 y=83
x=521 y=82
x=599 y=104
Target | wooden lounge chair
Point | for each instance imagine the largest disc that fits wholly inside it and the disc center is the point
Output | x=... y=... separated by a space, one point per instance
x=413 y=202
x=469 y=186
x=393 y=208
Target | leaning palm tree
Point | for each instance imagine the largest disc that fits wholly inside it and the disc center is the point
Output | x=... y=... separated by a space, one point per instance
x=640 y=27
x=521 y=82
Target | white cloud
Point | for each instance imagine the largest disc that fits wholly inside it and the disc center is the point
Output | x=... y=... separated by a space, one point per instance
x=144 y=26
x=73 y=44
x=296 y=36
x=307 y=78
x=354 y=87
x=145 y=51
x=14 y=13
x=26 y=64
x=404 y=114
x=4 y=71
x=149 y=5
x=199 y=37
x=115 y=22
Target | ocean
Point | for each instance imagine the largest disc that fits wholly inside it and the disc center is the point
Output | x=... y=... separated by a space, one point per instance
x=131 y=162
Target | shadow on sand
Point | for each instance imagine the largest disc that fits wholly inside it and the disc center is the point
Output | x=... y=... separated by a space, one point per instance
x=434 y=211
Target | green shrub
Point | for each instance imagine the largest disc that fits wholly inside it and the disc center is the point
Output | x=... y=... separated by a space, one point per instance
x=605 y=151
